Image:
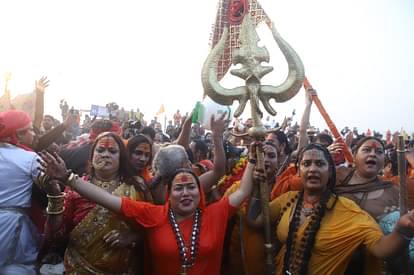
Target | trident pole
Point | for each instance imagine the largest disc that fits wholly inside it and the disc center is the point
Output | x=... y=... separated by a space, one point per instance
x=251 y=56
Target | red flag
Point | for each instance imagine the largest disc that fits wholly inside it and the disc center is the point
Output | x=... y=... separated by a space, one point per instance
x=230 y=13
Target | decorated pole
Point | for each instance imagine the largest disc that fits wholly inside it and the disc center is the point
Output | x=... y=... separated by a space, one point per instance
x=402 y=173
x=250 y=56
x=329 y=122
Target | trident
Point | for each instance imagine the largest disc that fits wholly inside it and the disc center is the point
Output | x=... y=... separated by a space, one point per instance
x=250 y=56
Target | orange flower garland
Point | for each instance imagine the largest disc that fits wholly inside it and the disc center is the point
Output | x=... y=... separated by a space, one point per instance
x=236 y=174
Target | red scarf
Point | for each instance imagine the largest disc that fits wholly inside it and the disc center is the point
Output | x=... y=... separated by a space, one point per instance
x=11 y=122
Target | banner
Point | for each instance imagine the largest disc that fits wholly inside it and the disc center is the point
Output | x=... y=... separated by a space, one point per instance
x=99 y=111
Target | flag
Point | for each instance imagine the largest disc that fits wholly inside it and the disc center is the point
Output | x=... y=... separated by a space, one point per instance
x=26 y=103
x=5 y=101
x=230 y=13
x=161 y=110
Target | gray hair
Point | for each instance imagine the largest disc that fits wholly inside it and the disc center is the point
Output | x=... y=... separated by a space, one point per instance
x=168 y=159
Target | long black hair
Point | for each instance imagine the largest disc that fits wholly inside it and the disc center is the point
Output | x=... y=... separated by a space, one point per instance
x=133 y=143
x=309 y=237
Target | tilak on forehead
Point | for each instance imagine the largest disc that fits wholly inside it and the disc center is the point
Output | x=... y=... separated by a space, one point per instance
x=107 y=142
x=184 y=177
x=144 y=147
x=372 y=144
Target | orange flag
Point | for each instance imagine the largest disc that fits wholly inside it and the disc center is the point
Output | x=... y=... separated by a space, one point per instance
x=161 y=110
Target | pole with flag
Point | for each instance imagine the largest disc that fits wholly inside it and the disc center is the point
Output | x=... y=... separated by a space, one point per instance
x=160 y=112
x=5 y=100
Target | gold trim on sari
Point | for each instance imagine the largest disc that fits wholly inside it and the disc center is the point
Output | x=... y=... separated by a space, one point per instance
x=87 y=253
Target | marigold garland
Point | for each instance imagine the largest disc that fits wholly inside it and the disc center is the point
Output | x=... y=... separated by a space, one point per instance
x=236 y=174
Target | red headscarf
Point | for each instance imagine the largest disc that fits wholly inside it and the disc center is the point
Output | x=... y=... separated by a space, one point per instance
x=11 y=122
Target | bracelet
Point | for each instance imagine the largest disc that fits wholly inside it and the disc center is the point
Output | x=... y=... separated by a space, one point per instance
x=62 y=195
x=55 y=205
x=58 y=212
x=72 y=180
x=252 y=161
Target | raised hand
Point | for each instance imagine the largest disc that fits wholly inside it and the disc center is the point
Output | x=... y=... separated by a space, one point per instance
x=309 y=94
x=405 y=225
x=219 y=126
x=41 y=84
x=53 y=166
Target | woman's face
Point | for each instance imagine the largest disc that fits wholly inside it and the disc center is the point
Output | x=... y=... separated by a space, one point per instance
x=271 y=160
x=314 y=170
x=369 y=159
x=140 y=156
x=106 y=155
x=184 y=194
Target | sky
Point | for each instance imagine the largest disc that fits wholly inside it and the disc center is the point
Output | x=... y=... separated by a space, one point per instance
x=358 y=55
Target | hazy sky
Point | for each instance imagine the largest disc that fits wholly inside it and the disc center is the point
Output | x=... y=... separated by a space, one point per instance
x=357 y=54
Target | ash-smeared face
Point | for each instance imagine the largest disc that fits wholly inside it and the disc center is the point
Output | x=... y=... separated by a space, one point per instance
x=106 y=155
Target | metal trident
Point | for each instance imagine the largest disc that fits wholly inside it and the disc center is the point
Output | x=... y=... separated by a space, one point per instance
x=250 y=56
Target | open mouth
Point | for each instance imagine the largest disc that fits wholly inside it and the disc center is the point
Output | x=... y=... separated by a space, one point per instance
x=186 y=202
x=313 y=179
x=371 y=162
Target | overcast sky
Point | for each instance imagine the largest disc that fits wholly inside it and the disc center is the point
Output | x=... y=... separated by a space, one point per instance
x=357 y=54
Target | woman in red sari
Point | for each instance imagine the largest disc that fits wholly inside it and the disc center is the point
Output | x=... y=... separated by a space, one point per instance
x=99 y=242
x=183 y=236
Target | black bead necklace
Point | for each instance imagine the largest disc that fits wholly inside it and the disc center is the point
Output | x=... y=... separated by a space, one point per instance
x=187 y=260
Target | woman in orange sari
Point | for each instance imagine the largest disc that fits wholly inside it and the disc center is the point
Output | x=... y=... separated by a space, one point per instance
x=139 y=150
x=184 y=236
x=99 y=242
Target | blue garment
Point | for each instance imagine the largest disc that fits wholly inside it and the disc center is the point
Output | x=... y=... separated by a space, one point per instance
x=19 y=237
x=387 y=224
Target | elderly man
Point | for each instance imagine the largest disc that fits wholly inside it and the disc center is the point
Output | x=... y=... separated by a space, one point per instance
x=19 y=237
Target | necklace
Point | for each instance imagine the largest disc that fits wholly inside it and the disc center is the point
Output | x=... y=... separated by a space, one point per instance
x=187 y=259
x=106 y=185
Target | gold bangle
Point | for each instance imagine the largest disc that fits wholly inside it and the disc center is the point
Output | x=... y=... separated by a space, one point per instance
x=55 y=204
x=55 y=212
x=72 y=180
x=61 y=195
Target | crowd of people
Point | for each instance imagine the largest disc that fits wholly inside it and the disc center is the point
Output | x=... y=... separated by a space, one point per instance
x=123 y=196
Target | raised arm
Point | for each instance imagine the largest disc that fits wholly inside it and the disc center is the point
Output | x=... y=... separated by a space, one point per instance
x=212 y=177
x=40 y=87
x=54 y=167
x=304 y=123
x=245 y=189
x=184 y=136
